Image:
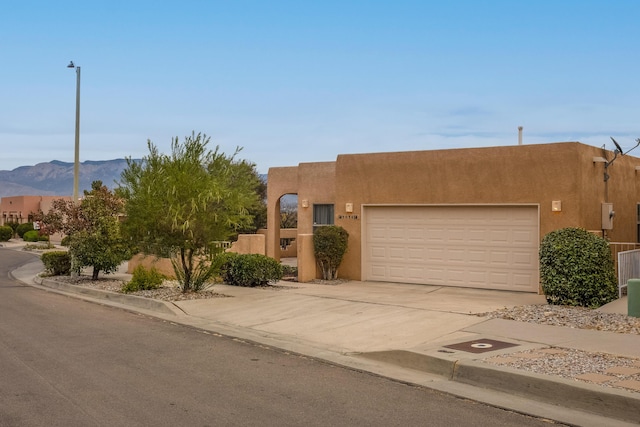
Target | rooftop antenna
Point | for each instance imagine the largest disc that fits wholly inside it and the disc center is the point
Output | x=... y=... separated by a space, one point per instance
x=617 y=145
x=617 y=152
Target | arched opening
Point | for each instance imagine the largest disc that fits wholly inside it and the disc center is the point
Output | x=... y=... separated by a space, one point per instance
x=288 y=228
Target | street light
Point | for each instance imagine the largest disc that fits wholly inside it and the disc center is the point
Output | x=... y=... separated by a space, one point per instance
x=76 y=163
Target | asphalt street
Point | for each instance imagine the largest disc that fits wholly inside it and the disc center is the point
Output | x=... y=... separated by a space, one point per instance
x=68 y=362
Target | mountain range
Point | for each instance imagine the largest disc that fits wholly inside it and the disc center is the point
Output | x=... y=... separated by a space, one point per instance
x=55 y=178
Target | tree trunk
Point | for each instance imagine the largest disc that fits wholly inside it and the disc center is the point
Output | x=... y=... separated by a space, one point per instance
x=94 y=275
x=186 y=260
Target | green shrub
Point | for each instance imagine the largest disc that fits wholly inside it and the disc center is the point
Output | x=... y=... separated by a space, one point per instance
x=23 y=228
x=143 y=279
x=6 y=233
x=329 y=247
x=57 y=263
x=576 y=269
x=66 y=240
x=249 y=269
x=14 y=225
x=31 y=236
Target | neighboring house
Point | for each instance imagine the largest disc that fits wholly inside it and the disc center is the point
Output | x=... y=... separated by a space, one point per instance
x=21 y=209
x=461 y=217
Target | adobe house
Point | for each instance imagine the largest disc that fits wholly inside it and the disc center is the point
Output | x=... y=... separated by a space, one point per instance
x=459 y=217
x=21 y=209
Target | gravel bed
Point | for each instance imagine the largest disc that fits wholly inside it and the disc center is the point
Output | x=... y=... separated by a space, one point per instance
x=169 y=291
x=573 y=317
x=565 y=362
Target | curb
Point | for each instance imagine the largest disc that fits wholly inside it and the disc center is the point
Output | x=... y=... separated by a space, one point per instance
x=610 y=403
x=131 y=300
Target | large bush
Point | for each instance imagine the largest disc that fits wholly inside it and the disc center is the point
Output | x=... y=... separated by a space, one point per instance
x=6 y=233
x=57 y=263
x=576 y=269
x=23 y=228
x=249 y=269
x=34 y=236
x=144 y=279
x=329 y=247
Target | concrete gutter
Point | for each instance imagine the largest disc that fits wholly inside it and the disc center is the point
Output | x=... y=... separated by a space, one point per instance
x=128 y=300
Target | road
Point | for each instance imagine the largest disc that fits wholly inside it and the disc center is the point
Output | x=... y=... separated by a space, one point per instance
x=68 y=362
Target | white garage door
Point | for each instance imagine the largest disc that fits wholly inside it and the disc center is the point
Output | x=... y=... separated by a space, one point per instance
x=491 y=247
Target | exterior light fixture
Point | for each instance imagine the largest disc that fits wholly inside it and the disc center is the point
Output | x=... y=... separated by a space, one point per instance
x=556 y=206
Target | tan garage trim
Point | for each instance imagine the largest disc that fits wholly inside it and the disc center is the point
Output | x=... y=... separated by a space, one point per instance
x=478 y=246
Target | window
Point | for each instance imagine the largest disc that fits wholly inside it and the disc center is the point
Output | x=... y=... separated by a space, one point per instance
x=322 y=215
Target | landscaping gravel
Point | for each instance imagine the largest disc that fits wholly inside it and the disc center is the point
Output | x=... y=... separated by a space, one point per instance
x=572 y=317
x=590 y=367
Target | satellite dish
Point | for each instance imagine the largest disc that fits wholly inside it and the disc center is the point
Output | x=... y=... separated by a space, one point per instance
x=617 y=145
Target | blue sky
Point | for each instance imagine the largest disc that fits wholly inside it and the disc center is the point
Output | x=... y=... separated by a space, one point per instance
x=303 y=81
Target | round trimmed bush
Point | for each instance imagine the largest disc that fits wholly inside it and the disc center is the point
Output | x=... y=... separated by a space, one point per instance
x=249 y=269
x=65 y=241
x=576 y=269
x=57 y=263
x=31 y=236
x=6 y=233
x=23 y=228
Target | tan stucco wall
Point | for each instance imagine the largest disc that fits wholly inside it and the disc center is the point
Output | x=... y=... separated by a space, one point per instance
x=249 y=244
x=314 y=183
x=285 y=181
x=163 y=265
x=522 y=174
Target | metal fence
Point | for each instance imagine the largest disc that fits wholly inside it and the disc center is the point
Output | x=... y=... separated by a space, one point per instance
x=628 y=268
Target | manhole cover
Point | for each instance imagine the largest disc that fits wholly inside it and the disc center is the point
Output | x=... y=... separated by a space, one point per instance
x=481 y=345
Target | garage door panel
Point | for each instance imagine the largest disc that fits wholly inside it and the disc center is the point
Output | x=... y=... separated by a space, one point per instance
x=396 y=254
x=492 y=247
x=499 y=258
x=415 y=255
x=435 y=235
x=524 y=260
x=477 y=256
x=378 y=253
x=523 y=236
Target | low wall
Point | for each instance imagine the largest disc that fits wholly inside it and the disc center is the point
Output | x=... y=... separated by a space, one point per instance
x=163 y=265
x=249 y=244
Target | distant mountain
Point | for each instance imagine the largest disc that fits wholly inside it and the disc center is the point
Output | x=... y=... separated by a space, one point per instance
x=56 y=178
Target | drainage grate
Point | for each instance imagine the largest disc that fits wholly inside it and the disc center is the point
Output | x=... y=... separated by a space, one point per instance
x=481 y=345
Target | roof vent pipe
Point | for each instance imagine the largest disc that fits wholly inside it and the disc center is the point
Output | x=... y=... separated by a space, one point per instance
x=519 y=135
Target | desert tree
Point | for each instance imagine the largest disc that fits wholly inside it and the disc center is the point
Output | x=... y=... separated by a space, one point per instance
x=92 y=227
x=180 y=204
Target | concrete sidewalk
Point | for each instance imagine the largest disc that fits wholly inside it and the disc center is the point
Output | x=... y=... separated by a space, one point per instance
x=400 y=331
